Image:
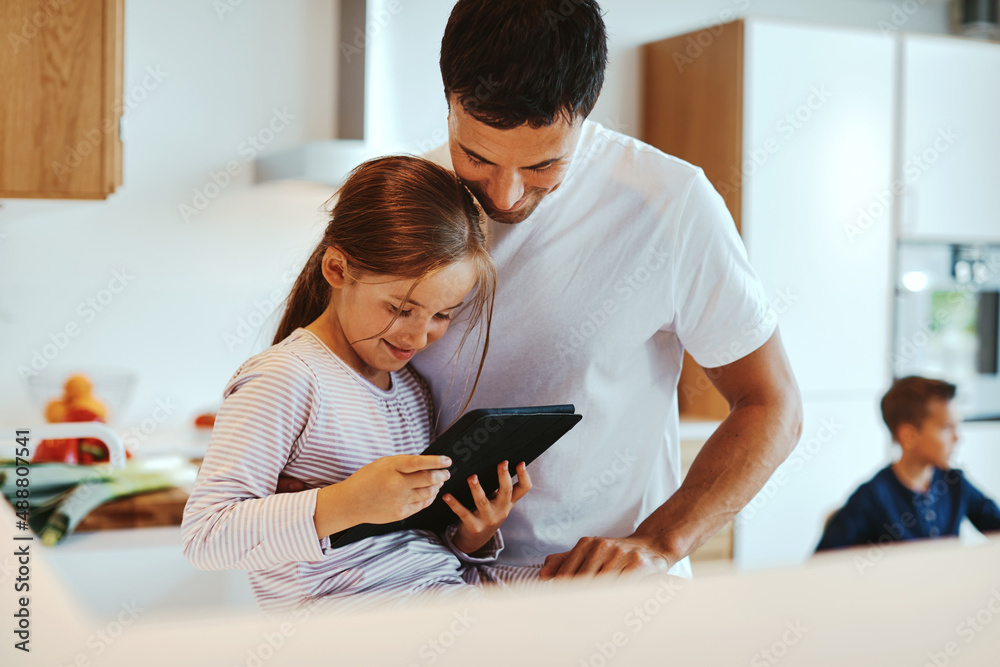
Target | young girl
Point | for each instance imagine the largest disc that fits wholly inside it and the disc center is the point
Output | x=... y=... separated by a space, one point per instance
x=335 y=404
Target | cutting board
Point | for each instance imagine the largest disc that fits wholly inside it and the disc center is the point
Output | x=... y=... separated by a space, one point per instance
x=156 y=508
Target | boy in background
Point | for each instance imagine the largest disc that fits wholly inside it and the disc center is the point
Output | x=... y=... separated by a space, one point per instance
x=919 y=495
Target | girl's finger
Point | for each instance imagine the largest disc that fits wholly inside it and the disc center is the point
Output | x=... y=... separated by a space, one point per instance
x=424 y=493
x=482 y=502
x=410 y=463
x=506 y=483
x=458 y=508
x=523 y=483
x=427 y=478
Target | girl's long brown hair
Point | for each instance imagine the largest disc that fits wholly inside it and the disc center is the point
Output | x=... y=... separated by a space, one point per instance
x=404 y=217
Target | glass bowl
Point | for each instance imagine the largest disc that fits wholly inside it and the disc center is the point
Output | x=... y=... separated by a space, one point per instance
x=111 y=386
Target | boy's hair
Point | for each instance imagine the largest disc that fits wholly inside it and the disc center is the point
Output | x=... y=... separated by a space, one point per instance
x=399 y=216
x=907 y=399
x=524 y=61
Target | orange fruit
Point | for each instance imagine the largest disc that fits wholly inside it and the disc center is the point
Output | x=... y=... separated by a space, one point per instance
x=86 y=408
x=55 y=411
x=77 y=386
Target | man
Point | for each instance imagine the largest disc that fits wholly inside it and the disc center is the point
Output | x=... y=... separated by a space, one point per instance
x=613 y=259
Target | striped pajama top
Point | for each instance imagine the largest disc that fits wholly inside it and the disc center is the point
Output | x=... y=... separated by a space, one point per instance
x=297 y=409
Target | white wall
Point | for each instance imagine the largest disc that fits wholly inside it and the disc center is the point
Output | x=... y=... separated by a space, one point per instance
x=221 y=78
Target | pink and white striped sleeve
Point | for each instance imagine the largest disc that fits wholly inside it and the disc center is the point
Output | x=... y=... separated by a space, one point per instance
x=233 y=519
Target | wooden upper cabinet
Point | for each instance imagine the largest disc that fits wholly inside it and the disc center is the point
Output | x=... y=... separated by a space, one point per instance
x=61 y=68
x=693 y=104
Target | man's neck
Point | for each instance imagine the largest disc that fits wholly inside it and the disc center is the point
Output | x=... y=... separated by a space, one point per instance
x=915 y=475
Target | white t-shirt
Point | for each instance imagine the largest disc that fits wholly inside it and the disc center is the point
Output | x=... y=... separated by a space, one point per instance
x=631 y=260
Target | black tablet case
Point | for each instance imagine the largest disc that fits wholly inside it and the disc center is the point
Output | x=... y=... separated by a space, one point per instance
x=476 y=444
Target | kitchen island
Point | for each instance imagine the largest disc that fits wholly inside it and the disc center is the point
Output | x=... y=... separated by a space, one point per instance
x=921 y=603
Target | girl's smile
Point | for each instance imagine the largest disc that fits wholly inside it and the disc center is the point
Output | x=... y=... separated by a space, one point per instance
x=401 y=354
x=376 y=324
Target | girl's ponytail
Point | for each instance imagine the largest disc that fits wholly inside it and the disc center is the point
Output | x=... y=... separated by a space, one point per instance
x=308 y=299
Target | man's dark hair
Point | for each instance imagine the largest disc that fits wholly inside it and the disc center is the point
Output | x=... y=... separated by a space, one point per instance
x=524 y=61
x=907 y=399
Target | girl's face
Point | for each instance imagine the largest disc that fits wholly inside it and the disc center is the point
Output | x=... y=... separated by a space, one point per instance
x=367 y=306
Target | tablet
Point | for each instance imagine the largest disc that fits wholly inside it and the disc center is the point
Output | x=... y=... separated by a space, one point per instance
x=477 y=443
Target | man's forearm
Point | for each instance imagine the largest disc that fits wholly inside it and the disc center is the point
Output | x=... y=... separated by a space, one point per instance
x=730 y=469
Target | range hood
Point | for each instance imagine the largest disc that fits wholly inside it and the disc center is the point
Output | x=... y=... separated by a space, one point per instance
x=388 y=93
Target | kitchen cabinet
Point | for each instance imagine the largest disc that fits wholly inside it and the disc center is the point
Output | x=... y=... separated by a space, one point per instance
x=62 y=101
x=794 y=125
x=950 y=161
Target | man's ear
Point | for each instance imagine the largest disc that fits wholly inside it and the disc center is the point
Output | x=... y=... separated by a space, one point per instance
x=335 y=269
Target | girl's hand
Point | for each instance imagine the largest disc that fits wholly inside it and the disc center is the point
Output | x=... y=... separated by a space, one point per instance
x=394 y=487
x=479 y=527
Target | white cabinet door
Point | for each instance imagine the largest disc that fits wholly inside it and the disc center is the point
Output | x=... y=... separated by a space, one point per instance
x=817 y=146
x=844 y=443
x=951 y=139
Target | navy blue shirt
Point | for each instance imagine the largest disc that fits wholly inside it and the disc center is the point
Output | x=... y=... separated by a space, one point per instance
x=884 y=509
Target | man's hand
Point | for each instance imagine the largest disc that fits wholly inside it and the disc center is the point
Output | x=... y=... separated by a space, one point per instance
x=594 y=556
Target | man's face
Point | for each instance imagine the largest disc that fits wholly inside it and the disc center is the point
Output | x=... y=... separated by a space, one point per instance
x=935 y=440
x=510 y=171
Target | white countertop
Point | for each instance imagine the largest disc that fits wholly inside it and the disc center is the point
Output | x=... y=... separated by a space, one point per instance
x=869 y=607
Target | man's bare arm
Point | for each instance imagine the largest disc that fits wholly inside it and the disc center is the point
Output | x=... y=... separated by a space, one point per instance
x=763 y=426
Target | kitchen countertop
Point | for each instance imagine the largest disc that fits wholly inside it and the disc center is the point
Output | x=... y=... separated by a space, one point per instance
x=897 y=605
